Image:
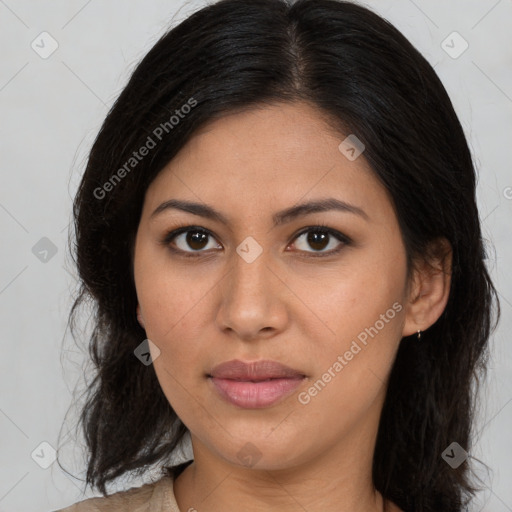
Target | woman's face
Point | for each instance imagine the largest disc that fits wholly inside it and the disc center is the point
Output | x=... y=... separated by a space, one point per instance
x=263 y=285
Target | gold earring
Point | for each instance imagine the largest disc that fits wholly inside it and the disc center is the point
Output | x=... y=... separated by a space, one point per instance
x=419 y=335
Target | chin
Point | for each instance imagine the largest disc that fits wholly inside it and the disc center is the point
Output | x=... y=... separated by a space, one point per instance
x=262 y=453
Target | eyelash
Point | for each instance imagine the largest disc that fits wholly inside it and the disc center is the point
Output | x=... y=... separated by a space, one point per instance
x=320 y=228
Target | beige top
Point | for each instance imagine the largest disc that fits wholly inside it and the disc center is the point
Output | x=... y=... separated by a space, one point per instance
x=155 y=497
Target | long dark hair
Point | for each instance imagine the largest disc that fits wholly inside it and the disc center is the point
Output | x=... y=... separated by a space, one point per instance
x=367 y=79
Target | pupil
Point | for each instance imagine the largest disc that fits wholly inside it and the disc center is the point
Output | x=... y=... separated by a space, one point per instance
x=314 y=242
x=196 y=237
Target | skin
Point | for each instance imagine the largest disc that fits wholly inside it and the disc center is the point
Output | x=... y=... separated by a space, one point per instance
x=299 y=310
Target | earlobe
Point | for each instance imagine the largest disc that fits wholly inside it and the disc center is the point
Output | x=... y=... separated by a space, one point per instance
x=430 y=289
x=139 y=317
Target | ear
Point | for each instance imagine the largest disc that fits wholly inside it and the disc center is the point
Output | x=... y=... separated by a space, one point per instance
x=429 y=288
x=139 y=317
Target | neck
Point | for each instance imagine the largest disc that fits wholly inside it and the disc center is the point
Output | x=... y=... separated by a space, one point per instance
x=268 y=492
x=337 y=481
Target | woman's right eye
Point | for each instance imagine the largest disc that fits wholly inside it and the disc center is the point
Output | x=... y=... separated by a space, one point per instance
x=188 y=237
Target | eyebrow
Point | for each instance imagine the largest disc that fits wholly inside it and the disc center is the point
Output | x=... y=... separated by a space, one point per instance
x=279 y=218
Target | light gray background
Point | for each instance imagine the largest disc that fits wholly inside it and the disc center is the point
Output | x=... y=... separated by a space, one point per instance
x=52 y=108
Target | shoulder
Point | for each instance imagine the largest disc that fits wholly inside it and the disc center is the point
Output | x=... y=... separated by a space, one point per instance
x=155 y=497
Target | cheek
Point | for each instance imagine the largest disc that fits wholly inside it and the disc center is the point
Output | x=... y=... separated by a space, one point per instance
x=172 y=299
x=354 y=297
x=175 y=322
x=171 y=320
x=363 y=307
x=351 y=369
x=172 y=323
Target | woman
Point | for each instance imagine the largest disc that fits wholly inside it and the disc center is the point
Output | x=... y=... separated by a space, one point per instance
x=278 y=227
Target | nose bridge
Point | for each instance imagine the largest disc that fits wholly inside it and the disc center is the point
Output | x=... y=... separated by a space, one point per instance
x=249 y=274
x=250 y=299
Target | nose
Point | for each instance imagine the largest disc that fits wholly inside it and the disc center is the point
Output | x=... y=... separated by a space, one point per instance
x=253 y=299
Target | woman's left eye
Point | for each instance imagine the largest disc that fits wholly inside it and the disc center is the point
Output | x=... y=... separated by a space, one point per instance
x=317 y=237
x=320 y=238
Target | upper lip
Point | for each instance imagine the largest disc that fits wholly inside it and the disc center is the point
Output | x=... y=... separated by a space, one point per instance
x=258 y=370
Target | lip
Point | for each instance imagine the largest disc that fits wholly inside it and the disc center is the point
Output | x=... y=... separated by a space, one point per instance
x=257 y=370
x=254 y=385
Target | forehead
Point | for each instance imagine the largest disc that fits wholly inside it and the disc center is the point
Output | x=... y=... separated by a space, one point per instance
x=252 y=160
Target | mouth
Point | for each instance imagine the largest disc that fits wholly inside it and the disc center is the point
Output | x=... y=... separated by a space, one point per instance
x=254 y=385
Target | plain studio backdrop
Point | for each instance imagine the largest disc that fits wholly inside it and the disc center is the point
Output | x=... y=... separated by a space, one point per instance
x=63 y=63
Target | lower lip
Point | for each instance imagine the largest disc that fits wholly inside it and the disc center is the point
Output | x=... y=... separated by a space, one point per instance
x=255 y=395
